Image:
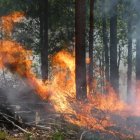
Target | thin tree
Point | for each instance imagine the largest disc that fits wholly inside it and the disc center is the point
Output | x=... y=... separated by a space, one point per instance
x=129 y=58
x=91 y=30
x=114 y=70
x=137 y=67
x=136 y=22
x=105 y=41
x=44 y=38
x=138 y=59
x=80 y=49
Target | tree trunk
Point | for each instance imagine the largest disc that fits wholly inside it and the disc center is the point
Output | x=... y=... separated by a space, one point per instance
x=91 y=20
x=138 y=59
x=114 y=71
x=138 y=68
x=129 y=69
x=44 y=39
x=105 y=44
x=80 y=49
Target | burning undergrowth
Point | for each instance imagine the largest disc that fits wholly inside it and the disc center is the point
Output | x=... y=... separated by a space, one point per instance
x=100 y=112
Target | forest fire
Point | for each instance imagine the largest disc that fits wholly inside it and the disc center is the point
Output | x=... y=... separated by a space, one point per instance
x=16 y=59
x=9 y=20
x=60 y=90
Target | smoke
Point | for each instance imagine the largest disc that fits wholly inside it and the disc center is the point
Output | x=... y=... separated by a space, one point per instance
x=21 y=99
x=133 y=16
x=105 y=8
x=24 y=95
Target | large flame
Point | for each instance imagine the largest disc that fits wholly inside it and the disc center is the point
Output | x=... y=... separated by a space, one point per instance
x=16 y=59
x=61 y=88
x=9 y=20
x=64 y=101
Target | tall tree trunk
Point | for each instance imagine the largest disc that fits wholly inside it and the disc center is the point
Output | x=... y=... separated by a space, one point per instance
x=103 y=73
x=105 y=43
x=114 y=71
x=80 y=49
x=129 y=59
x=138 y=68
x=44 y=39
x=138 y=59
x=91 y=20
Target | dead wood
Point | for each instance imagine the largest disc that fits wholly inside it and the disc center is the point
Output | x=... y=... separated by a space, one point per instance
x=9 y=119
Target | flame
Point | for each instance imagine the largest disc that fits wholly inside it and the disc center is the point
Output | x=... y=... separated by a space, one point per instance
x=15 y=58
x=92 y=114
x=87 y=60
x=8 y=20
x=64 y=101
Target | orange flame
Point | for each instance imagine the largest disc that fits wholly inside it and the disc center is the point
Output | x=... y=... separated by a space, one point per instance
x=64 y=101
x=87 y=60
x=14 y=57
x=8 y=20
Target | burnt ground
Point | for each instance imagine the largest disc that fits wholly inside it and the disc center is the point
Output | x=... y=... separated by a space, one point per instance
x=40 y=123
x=23 y=115
x=32 y=120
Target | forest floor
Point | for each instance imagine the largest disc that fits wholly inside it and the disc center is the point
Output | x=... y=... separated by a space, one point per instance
x=53 y=126
x=56 y=128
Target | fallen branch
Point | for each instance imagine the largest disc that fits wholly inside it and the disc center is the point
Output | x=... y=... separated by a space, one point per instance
x=83 y=133
x=42 y=127
x=5 y=116
x=20 y=128
x=34 y=122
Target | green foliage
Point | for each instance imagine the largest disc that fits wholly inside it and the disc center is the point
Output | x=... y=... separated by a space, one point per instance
x=7 y=6
x=3 y=135
x=62 y=21
x=61 y=24
x=28 y=137
x=58 y=136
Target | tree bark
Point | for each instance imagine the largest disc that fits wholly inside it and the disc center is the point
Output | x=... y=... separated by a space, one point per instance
x=138 y=59
x=91 y=31
x=129 y=69
x=44 y=38
x=105 y=44
x=137 y=68
x=80 y=49
x=114 y=70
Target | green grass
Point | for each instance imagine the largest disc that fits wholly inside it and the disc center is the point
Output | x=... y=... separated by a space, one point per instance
x=58 y=136
x=3 y=135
